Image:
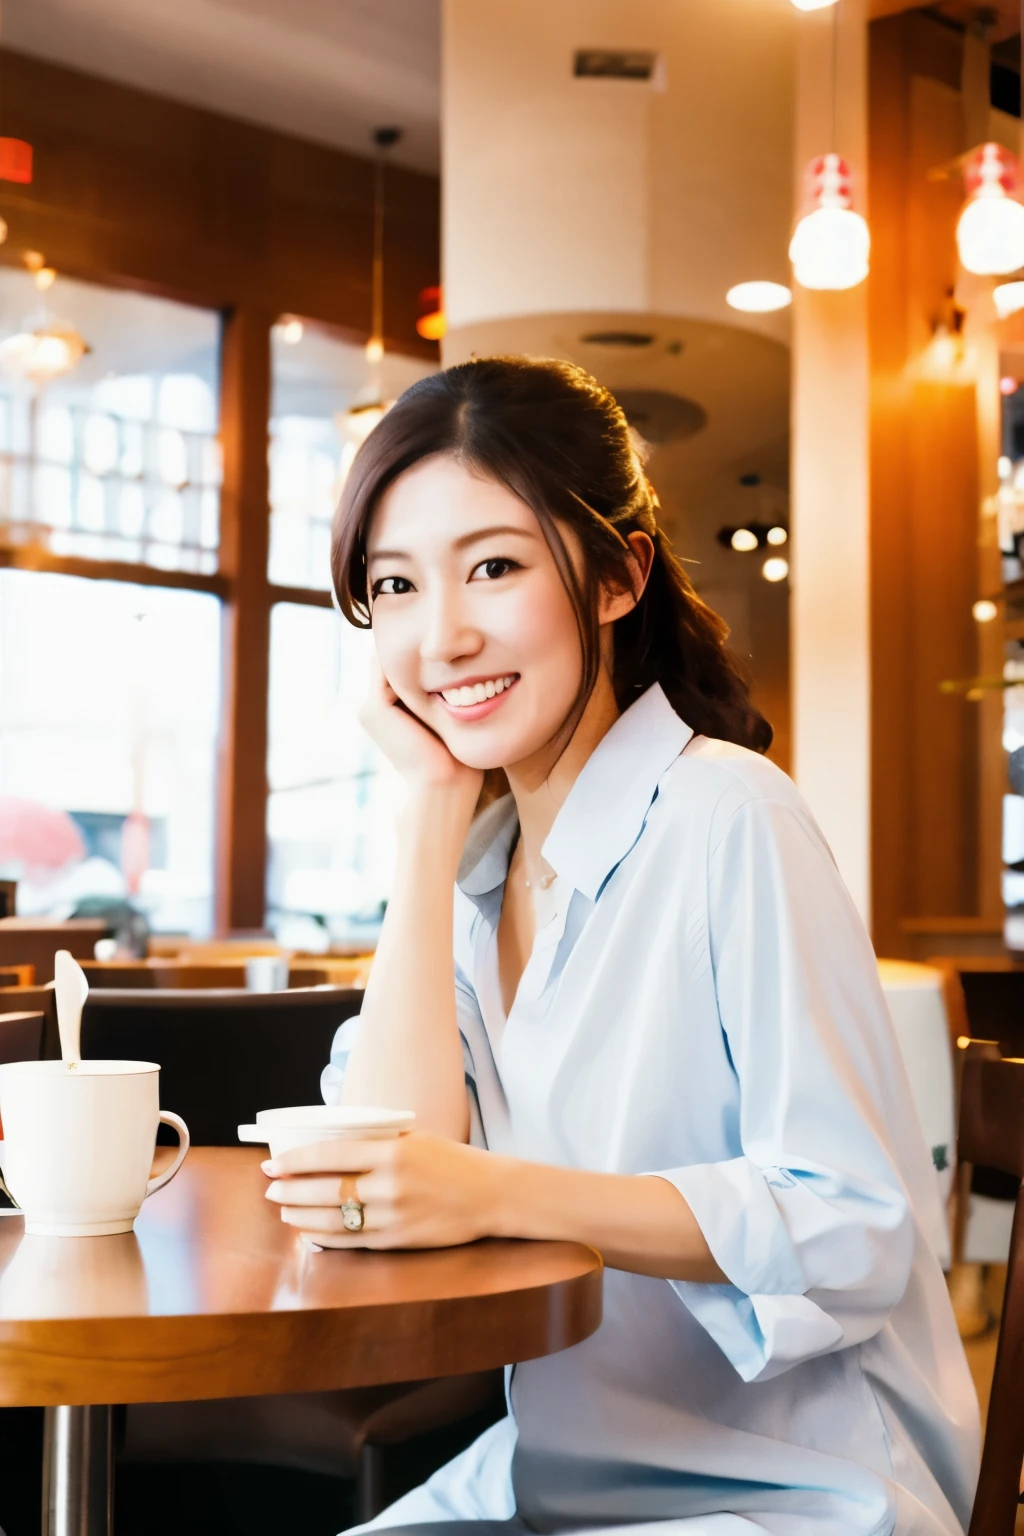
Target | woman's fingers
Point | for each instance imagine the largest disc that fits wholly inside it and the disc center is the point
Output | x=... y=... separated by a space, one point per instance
x=321 y=1218
x=331 y=1157
x=328 y=1190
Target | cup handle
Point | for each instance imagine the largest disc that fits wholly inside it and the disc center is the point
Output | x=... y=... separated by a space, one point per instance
x=167 y=1118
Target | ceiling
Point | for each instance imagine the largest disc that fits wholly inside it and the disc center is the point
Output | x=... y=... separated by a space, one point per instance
x=328 y=70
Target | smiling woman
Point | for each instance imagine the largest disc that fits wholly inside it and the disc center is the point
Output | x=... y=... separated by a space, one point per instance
x=651 y=1020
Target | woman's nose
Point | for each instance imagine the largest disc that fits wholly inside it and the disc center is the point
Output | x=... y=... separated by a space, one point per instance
x=448 y=634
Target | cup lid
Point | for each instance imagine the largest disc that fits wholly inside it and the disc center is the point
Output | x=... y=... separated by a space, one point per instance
x=337 y=1117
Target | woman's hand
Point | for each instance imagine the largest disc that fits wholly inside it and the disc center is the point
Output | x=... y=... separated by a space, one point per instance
x=418 y=1191
x=417 y=752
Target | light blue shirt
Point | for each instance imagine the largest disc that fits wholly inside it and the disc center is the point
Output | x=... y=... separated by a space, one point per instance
x=704 y=1005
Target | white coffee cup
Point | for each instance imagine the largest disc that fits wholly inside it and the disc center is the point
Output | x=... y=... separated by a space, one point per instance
x=266 y=973
x=283 y=1129
x=79 y=1141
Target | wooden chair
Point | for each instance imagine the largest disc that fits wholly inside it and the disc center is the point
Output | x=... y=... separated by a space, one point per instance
x=34 y=1000
x=184 y=974
x=223 y=1056
x=992 y=1133
x=21 y=1036
x=33 y=941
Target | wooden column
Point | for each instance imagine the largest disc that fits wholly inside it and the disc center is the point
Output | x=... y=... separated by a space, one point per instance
x=241 y=838
x=924 y=495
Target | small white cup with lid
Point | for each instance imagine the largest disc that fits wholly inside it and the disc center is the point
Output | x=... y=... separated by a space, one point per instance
x=297 y=1126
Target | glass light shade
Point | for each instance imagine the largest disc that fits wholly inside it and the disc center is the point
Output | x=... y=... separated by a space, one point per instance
x=984 y=610
x=830 y=249
x=1008 y=297
x=775 y=569
x=990 y=233
x=744 y=540
x=42 y=354
x=758 y=298
x=777 y=535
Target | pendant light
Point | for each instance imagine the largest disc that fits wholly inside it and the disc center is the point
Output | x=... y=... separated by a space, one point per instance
x=990 y=230
x=831 y=244
x=370 y=406
x=45 y=347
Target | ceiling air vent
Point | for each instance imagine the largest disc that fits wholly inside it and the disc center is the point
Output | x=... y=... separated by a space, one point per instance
x=618 y=339
x=659 y=416
x=638 y=64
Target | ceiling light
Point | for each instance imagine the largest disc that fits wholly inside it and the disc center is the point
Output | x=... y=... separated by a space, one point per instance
x=812 y=5
x=374 y=350
x=759 y=298
x=45 y=278
x=1009 y=297
x=984 y=610
x=777 y=535
x=290 y=329
x=1007 y=385
x=42 y=354
x=831 y=243
x=431 y=324
x=744 y=540
x=775 y=569
x=990 y=231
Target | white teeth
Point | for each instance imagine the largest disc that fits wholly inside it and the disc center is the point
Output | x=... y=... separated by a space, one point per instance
x=477 y=693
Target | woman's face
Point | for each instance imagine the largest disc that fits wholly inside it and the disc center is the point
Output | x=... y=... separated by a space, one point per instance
x=473 y=626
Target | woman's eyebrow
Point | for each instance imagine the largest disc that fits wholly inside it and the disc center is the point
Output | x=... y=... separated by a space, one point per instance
x=467 y=539
x=499 y=529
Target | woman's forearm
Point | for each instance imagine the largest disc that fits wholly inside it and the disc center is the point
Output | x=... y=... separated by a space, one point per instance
x=408 y=1054
x=641 y=1224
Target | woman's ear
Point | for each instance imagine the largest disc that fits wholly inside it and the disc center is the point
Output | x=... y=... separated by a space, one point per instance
x=615 y=602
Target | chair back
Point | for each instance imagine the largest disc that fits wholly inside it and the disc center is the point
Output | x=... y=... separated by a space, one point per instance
x=33 y=941
x=992 y=1133
x=994 y=1002
x=21 y=1037
x=223 y=1055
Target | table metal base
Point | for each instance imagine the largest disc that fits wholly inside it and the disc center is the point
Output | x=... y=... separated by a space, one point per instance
x=78 y=1472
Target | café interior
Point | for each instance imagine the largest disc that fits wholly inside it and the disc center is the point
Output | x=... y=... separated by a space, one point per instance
x=788 y=235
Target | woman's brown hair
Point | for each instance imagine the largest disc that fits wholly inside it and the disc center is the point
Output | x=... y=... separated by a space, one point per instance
x=557 y=439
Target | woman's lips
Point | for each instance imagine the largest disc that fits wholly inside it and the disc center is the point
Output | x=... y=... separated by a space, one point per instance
x=471 y=712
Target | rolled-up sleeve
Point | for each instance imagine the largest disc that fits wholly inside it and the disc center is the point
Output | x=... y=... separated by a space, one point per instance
x=811 y=1223
x=468 y=1014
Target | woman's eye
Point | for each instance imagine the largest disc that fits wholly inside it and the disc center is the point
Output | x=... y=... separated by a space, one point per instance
x=392 y=586
x=492 y=569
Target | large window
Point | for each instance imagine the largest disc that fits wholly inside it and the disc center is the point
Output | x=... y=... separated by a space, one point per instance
x=115 y=458
x=314 y=432
x=109 y=712
x=333 y=799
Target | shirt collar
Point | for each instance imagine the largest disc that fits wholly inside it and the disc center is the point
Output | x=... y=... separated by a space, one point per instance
x=604 y=812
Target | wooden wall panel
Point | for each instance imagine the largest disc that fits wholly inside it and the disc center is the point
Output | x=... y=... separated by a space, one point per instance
x=138 y=190
x=924 y=495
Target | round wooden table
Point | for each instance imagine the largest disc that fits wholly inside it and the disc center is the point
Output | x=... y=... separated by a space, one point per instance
x=213 y=1296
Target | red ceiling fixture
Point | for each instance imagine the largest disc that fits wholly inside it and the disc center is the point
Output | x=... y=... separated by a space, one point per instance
x=15 y=161
x=431 y=323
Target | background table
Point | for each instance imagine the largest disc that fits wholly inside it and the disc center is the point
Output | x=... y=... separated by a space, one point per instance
x=213 y=1296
